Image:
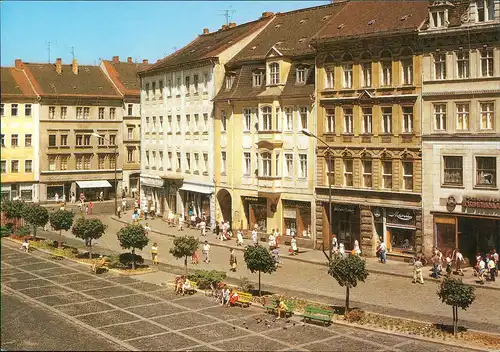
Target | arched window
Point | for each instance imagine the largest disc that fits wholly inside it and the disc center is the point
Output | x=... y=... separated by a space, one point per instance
x=274 y=73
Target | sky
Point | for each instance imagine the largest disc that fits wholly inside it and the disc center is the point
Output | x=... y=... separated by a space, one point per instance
x=102 y=29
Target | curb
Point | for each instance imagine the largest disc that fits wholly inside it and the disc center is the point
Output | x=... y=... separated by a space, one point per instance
x=314 y=262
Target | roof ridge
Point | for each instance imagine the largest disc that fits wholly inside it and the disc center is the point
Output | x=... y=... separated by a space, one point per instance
x=235 y=27
x=335 y=3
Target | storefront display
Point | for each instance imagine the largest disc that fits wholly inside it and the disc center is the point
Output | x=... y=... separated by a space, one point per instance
x=346 y=224
x=296 y=218
x=256 y=211
x=401 y=230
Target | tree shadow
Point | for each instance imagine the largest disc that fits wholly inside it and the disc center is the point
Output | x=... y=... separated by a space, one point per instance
x=449 y=328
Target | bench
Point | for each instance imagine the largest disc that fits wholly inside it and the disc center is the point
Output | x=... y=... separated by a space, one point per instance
x=273 y=307
x=96 y=266
x=192 y=289
x=244 y=299
x=57 y=255
x=317 y=314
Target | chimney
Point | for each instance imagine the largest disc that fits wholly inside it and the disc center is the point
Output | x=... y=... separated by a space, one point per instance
x=224 y=26
x=145 y=61
x=232 y=25
x=116 y=59
x=158 y=60
x=129 y=59
x=74 y=66
x=19 y=64
x=59 y=65
x=267 y=14
x=206 y=31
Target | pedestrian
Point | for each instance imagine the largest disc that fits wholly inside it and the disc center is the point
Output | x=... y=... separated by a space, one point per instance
x=147 y=229
x=154 y=253
x=217 y=230
x=124 y=204
x=145 y=209
x=123 y=193
x=26 y=245
x=101 y=196
x=57 y=197
x=180 y=226
x=233 y=263
x=255 y=239
x=64 y=198
x=194 y=257
x=89 y=208
x=239 y=238
x=448 y=265
x=383 y=251
x=277 y=235
x=335 y=243
x=170 y=220
x=119 y=212
x=435 y=265
x=417 y=270
x=293 y=249
x=356 y=250
x=482 y=268
x=73 y=198
x=203 y=227
x=206 y=254
x=491 y=269
x=459 y=259
x=193 y=220
x=272 y=241
x=495 y=259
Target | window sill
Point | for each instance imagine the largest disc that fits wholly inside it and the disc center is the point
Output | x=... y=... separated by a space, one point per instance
x=146 y=167
x=205 y=173
x=196 y=172
x=178 y=170
x=205 y=133
x=195 y=94
x=485 y=188
x=64 y=146
x=178 y=133
x=170 y=133
x=153 y=168
x=178 y=96
x=187 y=172
x=223 y=174
x=51 y=146
x=160 y=169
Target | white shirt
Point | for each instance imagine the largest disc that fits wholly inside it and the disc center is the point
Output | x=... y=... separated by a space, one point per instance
x=206 y=247
x=240 y=236
x=254 y=236
x=383 y=246
x=481 y=264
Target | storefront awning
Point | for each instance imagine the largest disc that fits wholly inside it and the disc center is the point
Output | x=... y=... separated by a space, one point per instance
x=197 y=189
x=94 y=184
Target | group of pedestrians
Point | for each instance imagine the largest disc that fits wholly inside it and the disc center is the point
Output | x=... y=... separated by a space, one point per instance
x=486 y=267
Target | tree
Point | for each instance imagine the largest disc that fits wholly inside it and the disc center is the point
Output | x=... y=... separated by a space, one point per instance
x=132 y=237
x=259 y=259
x=88 y=229
x=61 y=220
x=348 y=271
x=13 y=210
x=35 y=215
x=456 y=294
x=184 y=247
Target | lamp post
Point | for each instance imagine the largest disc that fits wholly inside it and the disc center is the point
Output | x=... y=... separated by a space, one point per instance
x=115 y=146
x=310 y=134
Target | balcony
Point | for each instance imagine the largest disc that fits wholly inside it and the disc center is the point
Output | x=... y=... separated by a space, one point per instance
x=272 y=184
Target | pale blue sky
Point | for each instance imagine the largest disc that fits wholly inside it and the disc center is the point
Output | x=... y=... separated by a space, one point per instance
x=102 y=29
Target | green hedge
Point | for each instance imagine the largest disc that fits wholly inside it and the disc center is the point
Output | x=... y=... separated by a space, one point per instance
x=204 y=278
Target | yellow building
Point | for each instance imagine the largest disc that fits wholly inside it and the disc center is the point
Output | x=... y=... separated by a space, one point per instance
x=19 y=110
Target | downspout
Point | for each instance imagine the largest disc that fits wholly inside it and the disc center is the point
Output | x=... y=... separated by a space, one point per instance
x=232 y=159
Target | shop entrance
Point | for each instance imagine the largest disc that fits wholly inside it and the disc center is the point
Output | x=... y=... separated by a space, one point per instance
x=476 y=235
x=345 y=224
x=225 y=204
x=256 y=213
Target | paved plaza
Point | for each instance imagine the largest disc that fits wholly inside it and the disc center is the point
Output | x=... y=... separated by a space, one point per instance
x=59 y=305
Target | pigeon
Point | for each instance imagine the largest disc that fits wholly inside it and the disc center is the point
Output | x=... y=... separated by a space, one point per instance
x=284 y=328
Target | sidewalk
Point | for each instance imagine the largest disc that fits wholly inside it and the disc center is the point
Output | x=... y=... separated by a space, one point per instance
x=310 y=256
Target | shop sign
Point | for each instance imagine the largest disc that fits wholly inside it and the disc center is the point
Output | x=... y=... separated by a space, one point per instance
x=481 y=203
x=344 y=208
x=255 y=200
x=152 y=182
x=400 y=217
x=296 y=204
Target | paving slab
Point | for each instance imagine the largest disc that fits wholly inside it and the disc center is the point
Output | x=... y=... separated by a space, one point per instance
x=38 y=266
x=227 y=313
x=131 y=300
x=145 y=286
x=106 y=318
x=44 y=291
x=164 y=342
x=84 y=308
x=54 y=271
x=69 y=297
x=298 y=334
x=184 y=320
x=109 y=292
x=122 y=279
x=68 y=278
x=215 y=332
x=89 y=284
x=166 y=294
x=196 y=301
x=252 y=343
x=13 y=274
x=260 y=322
x=422 y=346
x=133 y=330
x=21 y=285
x=155 y=310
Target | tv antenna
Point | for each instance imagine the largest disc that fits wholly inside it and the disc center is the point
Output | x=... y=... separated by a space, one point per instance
x=72 y=51
x=228 y=14
x=49 y=43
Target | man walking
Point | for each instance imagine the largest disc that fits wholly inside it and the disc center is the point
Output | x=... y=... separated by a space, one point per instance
x=435 y=262
x=383 y=252
x=206 y=250
x=417 y=270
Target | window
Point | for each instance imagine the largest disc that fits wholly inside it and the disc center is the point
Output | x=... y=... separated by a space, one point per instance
x=52 y=163
x=28 y=166
x=196 y=123
x=289 y=118
x=303 y=117
x=130 y=134
x=86 y=113
x=438 y=19
x=13 y=109
x=64 y=111
x=407 y=119
x=289 y=165
x=330 y=171
x=223 y=119
x=205 y=122
x=112 y=161
x=367 y=173
x=205 y=163
x=266 y=118
x=367 y=74
x=188 y=162
x=101 y=114
x=462 y=116
x=485 y=10
x=223 y=163
x=178 y=126
x=169 y=159
x=440 y=66
x=301 y=75
x=274 y=73
x=187 y=83
x=367 y=120
x=487 y=63
x=153 y=157
x=178 y=86
x=229 y=81
x=52 y=112
x=347 y=68
x=2 y=109
x=277 y=163
x=266 y=164
x=387 y=174
x=130 y=109
x=169 y=87
x=112 y=113
x=86 y=162
x=3 y=140
x=153 y=88
x=257 y=79
x=79 y=139
x=407 y=65
x=64 y=163
x=440 y=117
x=14 y=166
x=247 y=114
x=303 y=165
x=247 y=157
x=100 y=141
x=205 y=82
x=79 y=163
x=463 y=64
x=147 y=90
x=53 y=142
x=101 y=162
x=179 y=160
x=154 y=124
x=79 y=113
x=195 y=83
x=169 y=124
x=14 y=140
x=160 y=86
x=348 y=178
x=27 y=140
x=330 y=120
x=27 y=110
x=130 y=155
x=453 y=170
x=487 y=116
x=330 y=77
x=486 y=171
x=408 y=175
x=112 y=139
x=188 y=124
x=348 y=121
x=386 y=73
x=387 y=120
x=4 y=166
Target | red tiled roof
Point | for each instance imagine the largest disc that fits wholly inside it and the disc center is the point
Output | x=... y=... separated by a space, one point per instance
x=14 y=83
x=124 y=75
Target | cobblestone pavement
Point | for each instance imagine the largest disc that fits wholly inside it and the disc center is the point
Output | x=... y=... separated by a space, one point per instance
x=72 y=309
x=388 y=294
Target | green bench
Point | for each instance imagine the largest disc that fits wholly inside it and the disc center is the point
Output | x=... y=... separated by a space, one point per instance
x=317 y=314
x=272 y=307
x=244 y=299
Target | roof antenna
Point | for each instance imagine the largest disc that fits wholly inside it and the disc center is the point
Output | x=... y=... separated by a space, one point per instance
x=48 y=49
x=72 y=51
x=228 y=14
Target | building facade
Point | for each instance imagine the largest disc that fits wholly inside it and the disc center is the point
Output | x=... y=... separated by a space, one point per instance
x=368 y=96
x=125 y=79
x=461 y=127
x=177 y=143
x=19 y=115
x=81 y=119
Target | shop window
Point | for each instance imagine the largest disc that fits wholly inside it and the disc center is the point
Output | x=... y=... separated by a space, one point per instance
x=387 y=174
x=453 y=170
x=486 y=171
x=26 y=195
x=402 y=240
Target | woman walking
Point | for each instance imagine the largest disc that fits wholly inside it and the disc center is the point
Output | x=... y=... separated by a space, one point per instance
x=154 y=253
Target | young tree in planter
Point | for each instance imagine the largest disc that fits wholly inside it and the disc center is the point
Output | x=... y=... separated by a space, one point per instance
x=88 y=230
x=348 y=271
x=35 y=215
x=456 y=294
x=132 y=237
x=259 y=259
x=13 y=210
x=184 y=247
x=61 y=220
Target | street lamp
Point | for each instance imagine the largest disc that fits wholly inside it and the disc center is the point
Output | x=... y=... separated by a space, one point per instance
x=310 y=134
x=116 y=161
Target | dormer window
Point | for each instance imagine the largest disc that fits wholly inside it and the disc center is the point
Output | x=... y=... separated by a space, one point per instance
x=274 y=73
x=438 y=19
x=301 y=74
x=485 y=10
x=229 y=81
x=257 y=78
x=439 y=14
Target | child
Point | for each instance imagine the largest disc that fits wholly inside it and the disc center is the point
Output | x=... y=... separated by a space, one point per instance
x=25 y=246
x=154 y=253
x=194 y=257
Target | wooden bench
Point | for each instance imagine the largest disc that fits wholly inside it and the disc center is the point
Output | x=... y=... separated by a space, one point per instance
x=95 y=269
x=273 y=307
x=317 y=314
x=244 y=299
x=191 y=290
